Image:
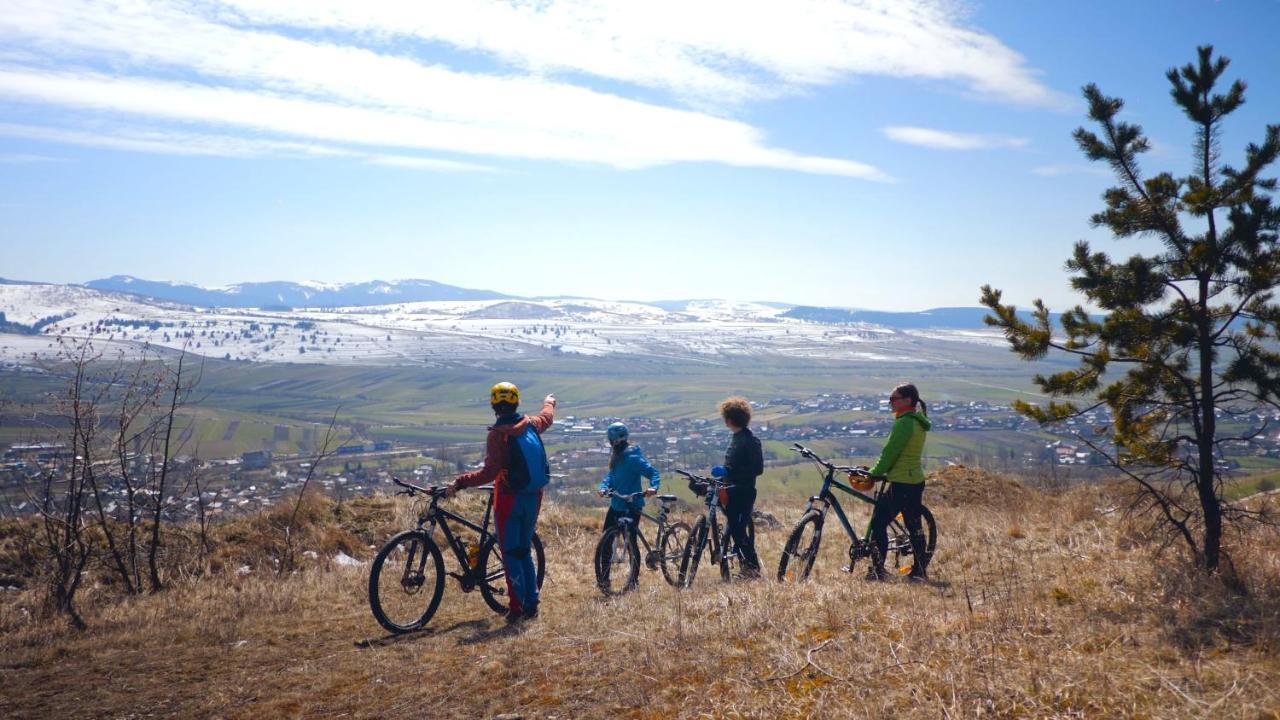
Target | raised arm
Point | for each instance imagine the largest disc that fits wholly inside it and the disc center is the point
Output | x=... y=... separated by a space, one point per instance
x=543 y=420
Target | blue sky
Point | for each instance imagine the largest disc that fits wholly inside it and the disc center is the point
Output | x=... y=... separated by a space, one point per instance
x=888 y=155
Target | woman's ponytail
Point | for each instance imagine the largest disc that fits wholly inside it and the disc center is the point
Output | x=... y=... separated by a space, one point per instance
x=616 y=456
x=909 y=391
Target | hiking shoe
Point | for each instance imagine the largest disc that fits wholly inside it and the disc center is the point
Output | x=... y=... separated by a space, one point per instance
x=917 y=576
x=530 y=613
x=513 y=616
x=876 y=573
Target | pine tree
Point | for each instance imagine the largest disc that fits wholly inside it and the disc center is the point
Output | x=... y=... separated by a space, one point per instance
x=1192 y=328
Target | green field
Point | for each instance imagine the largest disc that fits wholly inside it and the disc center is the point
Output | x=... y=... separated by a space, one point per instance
x=244 y=406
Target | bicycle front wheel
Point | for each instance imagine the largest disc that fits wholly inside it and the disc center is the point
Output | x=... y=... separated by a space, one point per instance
x=801 y=549
x=672 y=551
x=617 y=562
x=406 y=582
x=693 y=552
x=491 y=575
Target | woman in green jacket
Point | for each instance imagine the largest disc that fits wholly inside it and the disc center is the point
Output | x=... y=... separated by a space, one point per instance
x=901 y=461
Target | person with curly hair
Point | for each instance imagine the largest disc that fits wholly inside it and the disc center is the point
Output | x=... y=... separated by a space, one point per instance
x=743 y=463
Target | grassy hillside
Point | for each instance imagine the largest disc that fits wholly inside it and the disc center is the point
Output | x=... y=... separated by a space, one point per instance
x=1041 y=605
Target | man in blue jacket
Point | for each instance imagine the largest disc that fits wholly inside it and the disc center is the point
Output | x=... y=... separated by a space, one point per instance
x=516 y=463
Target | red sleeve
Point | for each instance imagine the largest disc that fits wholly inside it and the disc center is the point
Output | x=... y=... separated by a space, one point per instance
x=495 y=461
x=543 y=420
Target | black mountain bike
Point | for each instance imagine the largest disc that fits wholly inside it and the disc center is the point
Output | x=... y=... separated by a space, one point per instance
x=617 y=556
x=406 y=581
x=708 y=536
x=802 y=545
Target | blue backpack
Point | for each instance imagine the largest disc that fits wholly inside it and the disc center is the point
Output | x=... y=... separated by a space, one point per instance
x=527 y=469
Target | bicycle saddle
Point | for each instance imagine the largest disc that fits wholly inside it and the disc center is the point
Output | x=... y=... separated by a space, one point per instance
x=667 y=498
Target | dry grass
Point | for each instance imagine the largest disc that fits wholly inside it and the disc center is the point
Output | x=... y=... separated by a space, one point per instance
x=1066 y=617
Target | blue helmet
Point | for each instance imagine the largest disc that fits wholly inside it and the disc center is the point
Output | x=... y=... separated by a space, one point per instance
x=616 y=432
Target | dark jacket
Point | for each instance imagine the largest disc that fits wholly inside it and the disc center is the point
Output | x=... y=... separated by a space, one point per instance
x=744 y=460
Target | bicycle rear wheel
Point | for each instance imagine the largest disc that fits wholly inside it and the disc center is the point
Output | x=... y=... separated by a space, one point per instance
x=693 y=552
x=900 y=550
x=672 y=550
x=801 y=549
x=406 y=582
x=491 y=575
x=617 y=562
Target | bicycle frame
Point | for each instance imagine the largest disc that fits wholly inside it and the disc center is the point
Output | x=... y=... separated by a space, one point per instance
x=860 y=545
x=712 y=501
x=435 y=516
x=633 y=527
x=831 y=502
x=412 y=560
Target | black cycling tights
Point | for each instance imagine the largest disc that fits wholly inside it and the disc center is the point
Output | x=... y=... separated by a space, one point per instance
x=902 y=498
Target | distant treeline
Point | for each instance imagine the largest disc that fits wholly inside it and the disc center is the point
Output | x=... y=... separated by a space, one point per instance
x=34 y=328
x=954 y=317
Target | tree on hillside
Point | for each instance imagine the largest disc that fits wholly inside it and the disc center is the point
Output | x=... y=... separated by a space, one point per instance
x=1192 y=328
x=106 y=486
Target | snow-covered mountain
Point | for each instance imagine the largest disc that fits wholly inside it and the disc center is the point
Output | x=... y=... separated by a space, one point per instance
x=293 y=294
x=34 y=317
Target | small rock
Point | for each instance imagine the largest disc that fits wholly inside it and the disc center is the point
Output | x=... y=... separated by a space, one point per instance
x=244 y=570
x=311 y=554
x=344 y=559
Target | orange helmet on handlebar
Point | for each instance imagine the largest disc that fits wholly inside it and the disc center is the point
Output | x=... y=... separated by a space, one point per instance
x=862 y=483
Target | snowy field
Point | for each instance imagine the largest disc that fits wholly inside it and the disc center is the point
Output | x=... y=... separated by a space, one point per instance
x=445 y=333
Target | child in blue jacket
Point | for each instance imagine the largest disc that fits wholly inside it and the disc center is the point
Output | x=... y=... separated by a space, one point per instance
x=626 y=466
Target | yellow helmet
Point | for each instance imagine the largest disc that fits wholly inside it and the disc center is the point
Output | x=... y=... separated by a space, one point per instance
x=504 y=392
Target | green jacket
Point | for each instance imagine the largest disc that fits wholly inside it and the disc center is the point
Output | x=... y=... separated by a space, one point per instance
x=902 y=456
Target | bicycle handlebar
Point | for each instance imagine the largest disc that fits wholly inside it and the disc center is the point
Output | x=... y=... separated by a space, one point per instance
x=410 y=489
x=851 y=469
x=691 y=476
x=628 y=498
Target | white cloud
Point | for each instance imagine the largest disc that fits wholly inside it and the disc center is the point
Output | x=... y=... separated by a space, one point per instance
x=421 y=163
x=648 y=136
x=946 y=140
x=27 y=159
x=1060 y=170
x=166 y=142
x=330 y=73
x=730 y=49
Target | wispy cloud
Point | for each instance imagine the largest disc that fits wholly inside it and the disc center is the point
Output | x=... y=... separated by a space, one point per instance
x=421 y=163
x=729 y=49
x=270 y=77
x=946 y=140
x=166 y=142
x=1080 y=169
x=27 y=159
